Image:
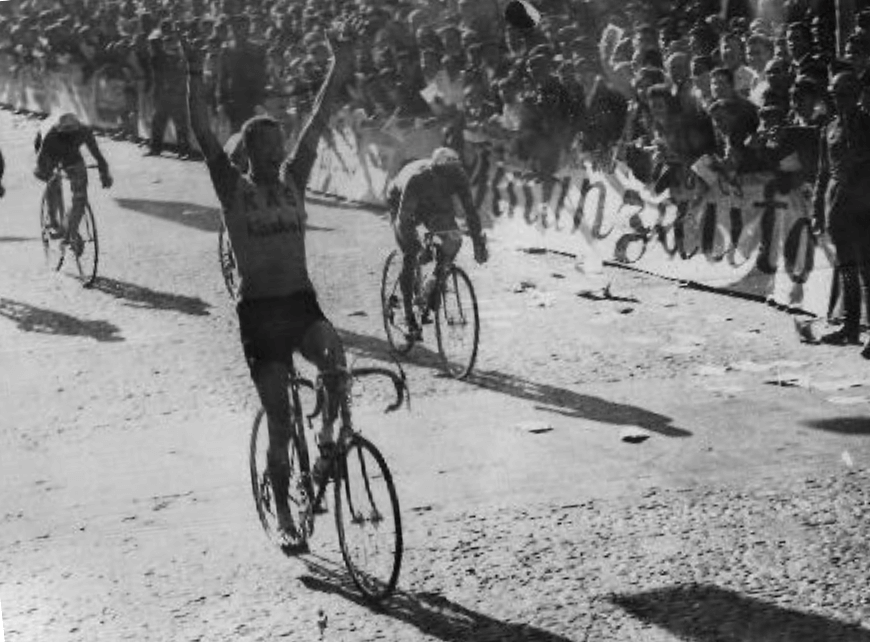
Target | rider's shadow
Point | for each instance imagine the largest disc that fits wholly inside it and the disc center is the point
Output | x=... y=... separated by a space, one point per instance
x=30 y=318
x=433 y=615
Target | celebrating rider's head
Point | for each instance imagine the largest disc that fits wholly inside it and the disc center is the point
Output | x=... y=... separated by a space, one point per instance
x=264 y=145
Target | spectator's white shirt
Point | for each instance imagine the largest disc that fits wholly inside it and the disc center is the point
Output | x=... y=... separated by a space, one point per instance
x=744 y=80
x=511 y=117
x=450 y=91
x=756 y=94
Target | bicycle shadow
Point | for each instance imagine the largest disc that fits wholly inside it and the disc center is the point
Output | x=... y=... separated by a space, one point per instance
x=707 y=613
x=138 y=296
x=29 y=318
x=431 y=614
x=374 y=348
x=546 y=397
x=569 y=403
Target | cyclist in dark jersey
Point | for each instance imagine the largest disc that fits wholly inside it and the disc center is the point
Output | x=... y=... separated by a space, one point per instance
x=264 y=214
x=422 y=193
x=60 y=146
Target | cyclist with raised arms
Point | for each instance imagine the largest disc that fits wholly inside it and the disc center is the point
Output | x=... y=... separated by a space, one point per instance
x=264 y=214
x=60 y=145
x=422 y=193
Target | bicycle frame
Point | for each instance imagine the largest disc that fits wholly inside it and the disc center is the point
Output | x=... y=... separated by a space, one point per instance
x=298 y=430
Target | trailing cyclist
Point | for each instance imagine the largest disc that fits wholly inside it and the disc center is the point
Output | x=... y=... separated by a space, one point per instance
x=264 y=214
x=60 y=146
x=422 y=194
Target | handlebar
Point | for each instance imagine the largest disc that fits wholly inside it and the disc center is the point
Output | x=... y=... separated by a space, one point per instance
x=400 y=383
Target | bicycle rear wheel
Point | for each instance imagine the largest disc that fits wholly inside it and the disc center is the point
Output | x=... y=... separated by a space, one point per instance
x=298 y=498
x=457 y=324
x=87 y=256
x=227 y=259
x=368 y=520
x=392 y=305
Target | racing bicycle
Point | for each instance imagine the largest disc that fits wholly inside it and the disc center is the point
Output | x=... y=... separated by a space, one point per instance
x=365 y=503
x=457 y=324
x=83 y=247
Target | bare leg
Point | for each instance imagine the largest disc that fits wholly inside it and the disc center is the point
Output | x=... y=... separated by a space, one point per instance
x=322 y=346
x=270 y=379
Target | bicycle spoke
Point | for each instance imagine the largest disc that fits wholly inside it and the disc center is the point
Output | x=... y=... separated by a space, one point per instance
x=368 y=522
x=457 y=324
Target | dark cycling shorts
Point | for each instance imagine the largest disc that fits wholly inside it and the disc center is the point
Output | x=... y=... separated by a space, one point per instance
x=273 y=329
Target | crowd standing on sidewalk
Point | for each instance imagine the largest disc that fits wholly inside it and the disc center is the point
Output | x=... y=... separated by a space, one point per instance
x=680 y=91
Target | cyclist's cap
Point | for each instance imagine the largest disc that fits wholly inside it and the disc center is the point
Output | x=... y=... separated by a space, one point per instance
x=445 y=156
x=68 y=122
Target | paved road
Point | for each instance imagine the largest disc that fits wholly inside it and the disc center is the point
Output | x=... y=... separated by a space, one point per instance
x=125 y=507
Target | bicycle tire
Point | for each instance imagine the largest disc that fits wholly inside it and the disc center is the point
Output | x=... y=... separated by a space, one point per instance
x=375 y=587
x=227 y=261
x=88 y=260
x=261 y=486
x=392 y=305
x=53 y=257
x=446 y=318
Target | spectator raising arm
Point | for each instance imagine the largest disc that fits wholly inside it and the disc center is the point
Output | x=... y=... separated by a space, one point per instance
x=299 y=164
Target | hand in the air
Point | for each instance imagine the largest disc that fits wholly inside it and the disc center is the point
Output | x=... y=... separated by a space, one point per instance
x=340 y=40
x=106 y=180
x=192 y=54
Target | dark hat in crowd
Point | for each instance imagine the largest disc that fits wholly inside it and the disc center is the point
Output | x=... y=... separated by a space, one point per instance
x=702 y=64
x=807 y=85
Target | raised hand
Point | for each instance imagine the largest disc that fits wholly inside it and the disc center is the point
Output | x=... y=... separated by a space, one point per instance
x=341 y=40
x=192 y=54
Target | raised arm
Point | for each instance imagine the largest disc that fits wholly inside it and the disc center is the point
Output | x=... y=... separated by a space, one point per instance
x=297 y=166
x=197 y=105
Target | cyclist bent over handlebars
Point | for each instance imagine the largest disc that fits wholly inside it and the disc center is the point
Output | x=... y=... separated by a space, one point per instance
x=60 y=146
x=422 y=194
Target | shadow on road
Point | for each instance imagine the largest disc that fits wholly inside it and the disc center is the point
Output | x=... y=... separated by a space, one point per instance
x=205 y=219
x=379 y=349
x=546 y=397
x=432 y=614
x=842 y=425
x=574 y=404
x=705 y=613
x=17 y=239
x=138 y=296
x=32 y=319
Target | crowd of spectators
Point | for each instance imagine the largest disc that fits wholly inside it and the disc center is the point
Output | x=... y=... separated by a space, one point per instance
x=671 y=85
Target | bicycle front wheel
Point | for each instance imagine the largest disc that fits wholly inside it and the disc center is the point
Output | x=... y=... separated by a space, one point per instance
x=457 y=324
x=367 y=518
x=393 y=306
x=87 y=254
